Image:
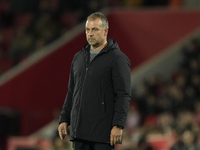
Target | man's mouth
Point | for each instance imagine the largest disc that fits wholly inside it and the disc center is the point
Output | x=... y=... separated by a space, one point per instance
x=91 y=39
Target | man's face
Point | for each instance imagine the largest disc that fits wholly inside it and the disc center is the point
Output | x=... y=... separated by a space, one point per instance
x=95 y=33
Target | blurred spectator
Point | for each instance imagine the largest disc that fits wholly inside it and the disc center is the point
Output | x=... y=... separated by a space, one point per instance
x=133 y=2
x=21 y=46
x=144 y=145
x=187 y=141
x=191 y=3
x=197 y=111
x=133 y=119
x=175 y=3
x=166 y=121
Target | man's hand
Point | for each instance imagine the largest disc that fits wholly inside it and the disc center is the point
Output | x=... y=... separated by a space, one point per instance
x=115 y=136
x=62 y=130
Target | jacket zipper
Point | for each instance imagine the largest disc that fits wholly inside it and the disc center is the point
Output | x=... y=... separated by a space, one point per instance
x=87 y=67
x=86 y=70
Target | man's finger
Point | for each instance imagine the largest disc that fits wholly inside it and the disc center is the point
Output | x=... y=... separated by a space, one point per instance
x=111 y=140
x=119 y=138
x=65 y=130
x=60 y=133
x=62 y=129
x=115 y=140
x=64 y=134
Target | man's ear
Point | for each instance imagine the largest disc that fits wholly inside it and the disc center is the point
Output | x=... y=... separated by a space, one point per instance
x=106 y=31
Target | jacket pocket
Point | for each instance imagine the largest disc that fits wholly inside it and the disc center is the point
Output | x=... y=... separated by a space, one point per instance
x=103 y=103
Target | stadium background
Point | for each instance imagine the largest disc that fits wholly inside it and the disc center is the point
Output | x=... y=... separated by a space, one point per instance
x=39 y=38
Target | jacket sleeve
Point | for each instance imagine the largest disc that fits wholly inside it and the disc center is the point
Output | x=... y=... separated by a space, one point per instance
x=67 y=106
x=121 y=76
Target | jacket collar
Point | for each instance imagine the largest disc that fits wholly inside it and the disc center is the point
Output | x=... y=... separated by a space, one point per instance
x=112 y=44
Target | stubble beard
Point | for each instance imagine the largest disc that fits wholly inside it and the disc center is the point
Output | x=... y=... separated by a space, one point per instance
x=93 y=43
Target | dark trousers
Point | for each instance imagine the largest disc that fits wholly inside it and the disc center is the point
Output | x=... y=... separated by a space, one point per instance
x=88 y=145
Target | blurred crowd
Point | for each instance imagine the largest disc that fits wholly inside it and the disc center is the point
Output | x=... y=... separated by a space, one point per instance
x=168 y=110
x=168 y=3
x=28 y=25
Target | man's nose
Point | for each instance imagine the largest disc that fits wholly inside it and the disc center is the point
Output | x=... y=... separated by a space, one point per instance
x=90 y=33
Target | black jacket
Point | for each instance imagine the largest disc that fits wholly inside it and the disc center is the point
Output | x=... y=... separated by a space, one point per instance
x=98 y=93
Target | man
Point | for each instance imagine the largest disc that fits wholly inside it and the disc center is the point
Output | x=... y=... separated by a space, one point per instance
x=98 y=95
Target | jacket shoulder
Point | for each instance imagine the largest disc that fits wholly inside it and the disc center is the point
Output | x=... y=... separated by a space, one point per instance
x=76 y=55
x=119 y=54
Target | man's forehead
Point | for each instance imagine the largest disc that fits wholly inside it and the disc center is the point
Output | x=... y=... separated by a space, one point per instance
x=93 y=22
